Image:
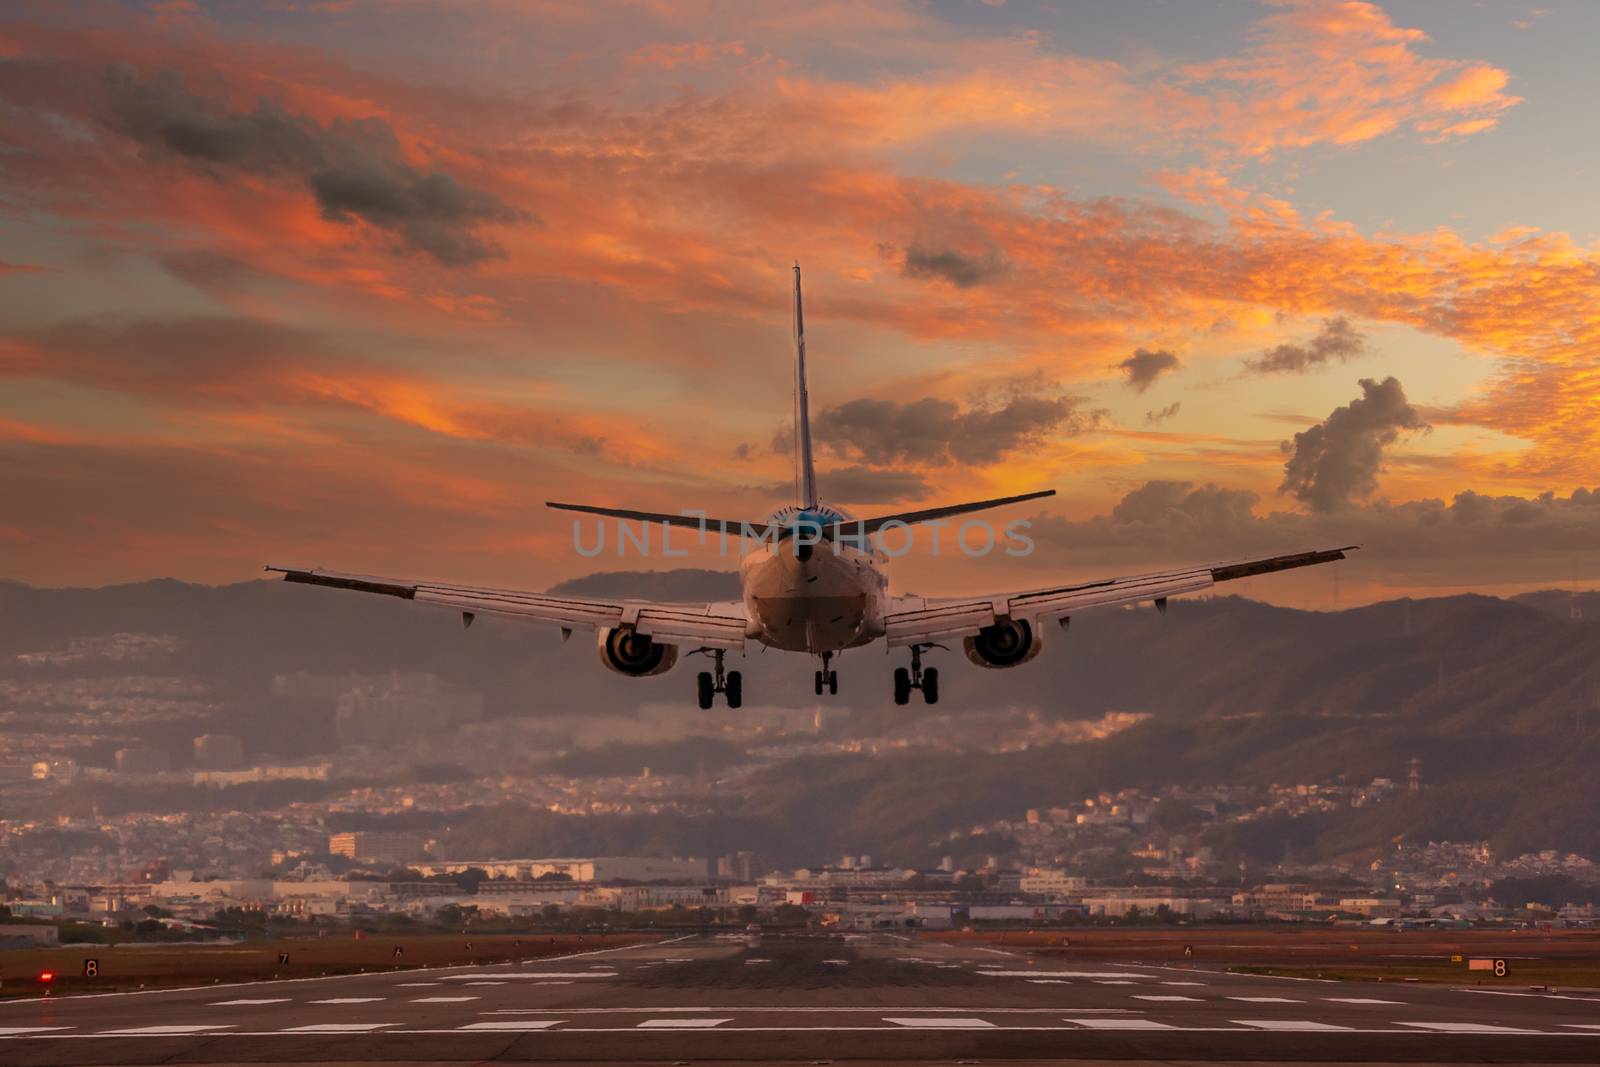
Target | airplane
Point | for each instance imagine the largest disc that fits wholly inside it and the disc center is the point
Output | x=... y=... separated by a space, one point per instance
x=815 y=583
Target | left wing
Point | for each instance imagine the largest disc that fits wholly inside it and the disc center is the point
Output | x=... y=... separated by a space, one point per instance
x=716 y=625
x=917 y=620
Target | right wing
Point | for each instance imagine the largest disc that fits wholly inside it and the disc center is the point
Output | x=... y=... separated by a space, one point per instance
x=919 y=620
x=717 y=625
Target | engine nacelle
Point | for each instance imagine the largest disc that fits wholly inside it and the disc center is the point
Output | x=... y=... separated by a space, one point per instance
x=1008 y=643
x=629 y=652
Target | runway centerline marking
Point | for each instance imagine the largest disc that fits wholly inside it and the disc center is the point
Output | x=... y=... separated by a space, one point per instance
x=1471 y=1028
x=172 y=1028
x=1167 y=996
x=513 y=1024
x=1359 y=1000
x=1121 y=1024
x=1268 y=1000
x=441 y=1000
x=14 y=1031
x=1287 y=1024
x=336 y=1028
x=248 y=1000
x=681 y=1024
x=347 y=1000
x=941 y=1022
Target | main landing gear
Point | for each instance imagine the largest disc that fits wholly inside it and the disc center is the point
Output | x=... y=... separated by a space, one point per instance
x=826 y=678
x=917 y=678
x=709 y=683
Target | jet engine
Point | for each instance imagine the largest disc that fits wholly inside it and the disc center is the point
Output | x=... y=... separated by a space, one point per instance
x=629 y=652
x=1008 y=643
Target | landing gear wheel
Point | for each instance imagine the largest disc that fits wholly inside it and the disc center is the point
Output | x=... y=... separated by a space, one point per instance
x=833 y=683
x=902 y=686
x=707 y=690
x=733 y=689
x=819 y=683
x=930 y=685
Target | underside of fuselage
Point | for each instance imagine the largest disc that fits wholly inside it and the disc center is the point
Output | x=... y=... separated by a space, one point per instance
x=821 y=601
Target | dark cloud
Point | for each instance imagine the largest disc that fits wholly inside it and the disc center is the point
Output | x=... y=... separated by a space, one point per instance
x=1336 y=340
x=884 y=432
x=354 y=168
x=1146 y=365
x=1337 y=461
x=864 y=485
x=1153 y=417
x=958 y=268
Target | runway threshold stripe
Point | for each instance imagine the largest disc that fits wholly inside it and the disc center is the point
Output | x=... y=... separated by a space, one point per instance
x=1288 y=1024
x=348 y=1000
x=441 y=1000
x=1166 y=997
x=1121 y=1024
x=1267 y=1000
x=941 y=1022
x=336 y=1028
x=1359 y=1000
x=248 y=1000
x=514 y=1024
x=681 y=1024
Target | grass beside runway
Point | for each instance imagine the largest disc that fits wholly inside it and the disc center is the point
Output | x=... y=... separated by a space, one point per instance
x=1565 y=959
x=132 y=966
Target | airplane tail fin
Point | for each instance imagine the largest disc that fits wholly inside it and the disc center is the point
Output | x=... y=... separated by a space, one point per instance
x=805 y=474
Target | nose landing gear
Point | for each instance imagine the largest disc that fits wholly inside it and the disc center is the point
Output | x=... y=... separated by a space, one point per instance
x=709 y=683
x=917 y=678
x=826 y=678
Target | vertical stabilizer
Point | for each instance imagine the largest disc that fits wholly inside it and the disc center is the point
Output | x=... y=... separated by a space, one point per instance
x=805 y=475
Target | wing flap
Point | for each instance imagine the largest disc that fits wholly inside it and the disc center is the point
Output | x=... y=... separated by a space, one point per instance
x=718 y=625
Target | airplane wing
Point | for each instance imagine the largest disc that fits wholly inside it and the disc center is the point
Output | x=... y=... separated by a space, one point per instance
x=917 y=620
x=717 y=625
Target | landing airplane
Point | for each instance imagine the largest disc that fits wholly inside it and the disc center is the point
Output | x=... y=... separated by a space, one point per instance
x=815 y=583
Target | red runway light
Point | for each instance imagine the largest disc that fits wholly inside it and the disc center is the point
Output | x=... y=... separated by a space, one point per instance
x=47 y=977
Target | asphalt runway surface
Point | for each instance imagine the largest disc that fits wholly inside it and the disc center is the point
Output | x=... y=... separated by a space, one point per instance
x=804 y=999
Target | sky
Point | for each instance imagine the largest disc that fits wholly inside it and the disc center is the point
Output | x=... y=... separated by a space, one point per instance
x=362 y=283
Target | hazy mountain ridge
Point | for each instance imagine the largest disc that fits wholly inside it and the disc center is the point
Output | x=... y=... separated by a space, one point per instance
x=1495 y=697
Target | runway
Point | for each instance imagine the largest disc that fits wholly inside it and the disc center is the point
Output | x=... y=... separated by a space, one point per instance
x=803 y=999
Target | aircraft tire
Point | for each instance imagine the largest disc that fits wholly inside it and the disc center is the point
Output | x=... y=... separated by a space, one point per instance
x=706 y=690
x=902 y=686
x=930 y=685
x=733 y=689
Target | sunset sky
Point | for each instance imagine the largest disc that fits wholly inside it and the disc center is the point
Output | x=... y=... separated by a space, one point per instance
x=361 y=283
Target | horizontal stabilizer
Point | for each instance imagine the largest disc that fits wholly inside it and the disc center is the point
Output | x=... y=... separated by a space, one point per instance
x=860 y=527
x=693 y=522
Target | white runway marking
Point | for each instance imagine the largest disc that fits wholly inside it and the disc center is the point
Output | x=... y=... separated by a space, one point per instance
x=1063 y=974
x=528 y=974
x=514 y=1024
x=348 y=1000
x=176 y=1028
x=1169 y=996
x=249 y=1000
x=1583 y=1026
x=1121 y=1024
x=441 y=1000
x=681 y=1024
x=1183 y=983
x=1288 y=1024
x=1113 y=981
x=1359 y=1000
x=1268 y=1000
x=544 y=983
x=942 y=1022
x=415 y=985
x=336 y=1028
x=12 y=1031
x=494 y=983
x=1470 y=1028
x=1049 y=981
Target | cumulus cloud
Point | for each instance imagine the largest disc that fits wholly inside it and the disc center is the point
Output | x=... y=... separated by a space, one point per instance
x=1336 y=340
x=1146 y=365
x=354 y=168
x=1152 y=418
x=864 y=485
x=883 y=432
x=960 y=269
x=1337 y=461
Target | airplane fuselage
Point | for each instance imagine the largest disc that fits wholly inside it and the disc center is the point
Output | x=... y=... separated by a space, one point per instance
x=831 y=598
